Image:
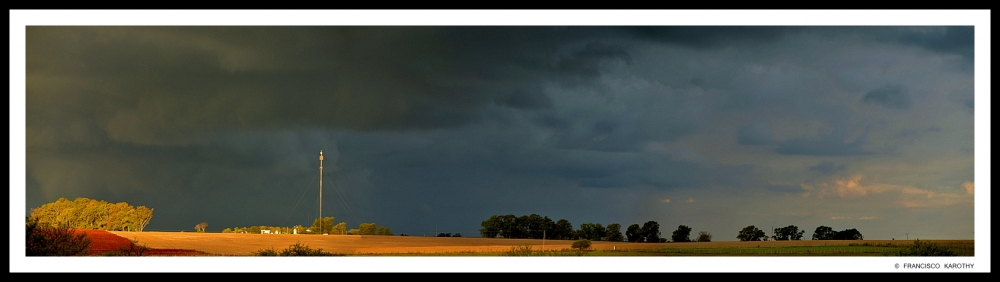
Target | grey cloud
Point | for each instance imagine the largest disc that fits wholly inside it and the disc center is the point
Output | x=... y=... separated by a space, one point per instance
x=582 y=66
x=709 y=36
x=951 y=39
x=755 y=134
x=784 y=188
x=890 y=96
x=828 y=168
x=829 y=144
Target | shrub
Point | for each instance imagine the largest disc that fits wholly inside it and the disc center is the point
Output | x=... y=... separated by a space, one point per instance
x=581 y=244
x=266 y=253
x=704 y=237
x=49 y=241
x=297 y=250
x=519 y=251
x=926 y=249
x=134 y=249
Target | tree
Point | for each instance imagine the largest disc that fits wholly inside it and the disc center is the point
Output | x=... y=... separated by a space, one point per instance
x=824 y=233
x=615 y=232
x=367 y=229
x=382 y=230
x=790 y=232
x=751 y=233
x=327 y=223
x=563 y=230
x=581 y=244
x=83 y=213
x=142 y=217
x=508 y=226
x=849 y=234
x=200 y=227
x=491 y=227
x=634 y=233
x=827 y=233
x=592 y=231
x=704 y=236
x=682 y=234
x=651 y=231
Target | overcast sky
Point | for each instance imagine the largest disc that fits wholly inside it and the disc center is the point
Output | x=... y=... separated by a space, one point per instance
x=434 y=129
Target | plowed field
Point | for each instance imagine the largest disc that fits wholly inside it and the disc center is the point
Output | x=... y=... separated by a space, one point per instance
x=102 y=242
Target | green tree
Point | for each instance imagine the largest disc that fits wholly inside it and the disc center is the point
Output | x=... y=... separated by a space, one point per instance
x=491 y=227
x=751 y=233
x=848 y=234
x=615 y=232
x=327 y=226
x=339 y=229
x=382 y=230
x=563 y=230
x=83 y=213
x=591 y=231
x=367 y=229
x=682 y=234
x=704 y=236
x=824 y=233
x=581 y=244
x=790 y=232
x=651 y=231
x=634 y=233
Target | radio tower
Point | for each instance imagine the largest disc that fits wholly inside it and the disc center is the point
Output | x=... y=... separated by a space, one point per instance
x=321 y=191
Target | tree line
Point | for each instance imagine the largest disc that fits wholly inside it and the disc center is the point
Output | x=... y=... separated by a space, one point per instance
x=325 y=226
x=538 y=227
x=792 y=232
x=83 y=213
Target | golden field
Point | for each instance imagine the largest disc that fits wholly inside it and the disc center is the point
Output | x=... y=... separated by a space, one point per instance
x=237 y=244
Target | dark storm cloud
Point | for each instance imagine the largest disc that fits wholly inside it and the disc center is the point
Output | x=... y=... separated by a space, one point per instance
x=828 y=168
x=201 y=78
x=835 y=143
x=755 y=134
x=450 y=124
x=585 y=65
x=890 y=96
x=957 y=40
x=709 y=36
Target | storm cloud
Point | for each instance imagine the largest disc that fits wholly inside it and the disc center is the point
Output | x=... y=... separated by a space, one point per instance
x=436 y=128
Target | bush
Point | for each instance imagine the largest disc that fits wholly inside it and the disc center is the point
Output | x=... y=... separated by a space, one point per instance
x=297 y=250
x=134 y=249
x=926 y=249
x=581 y=244
x=519 y=251
x=48 y=241
x=704 y=237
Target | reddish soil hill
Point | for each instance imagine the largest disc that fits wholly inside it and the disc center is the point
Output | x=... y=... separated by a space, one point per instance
x=102 y=242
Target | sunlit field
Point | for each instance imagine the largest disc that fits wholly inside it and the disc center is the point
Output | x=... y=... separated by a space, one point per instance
x=235 y=244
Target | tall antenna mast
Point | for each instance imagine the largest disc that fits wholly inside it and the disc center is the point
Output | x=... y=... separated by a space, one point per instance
x=321 y=191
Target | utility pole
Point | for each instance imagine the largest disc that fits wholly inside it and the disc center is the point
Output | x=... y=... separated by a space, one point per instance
x=321 y=191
